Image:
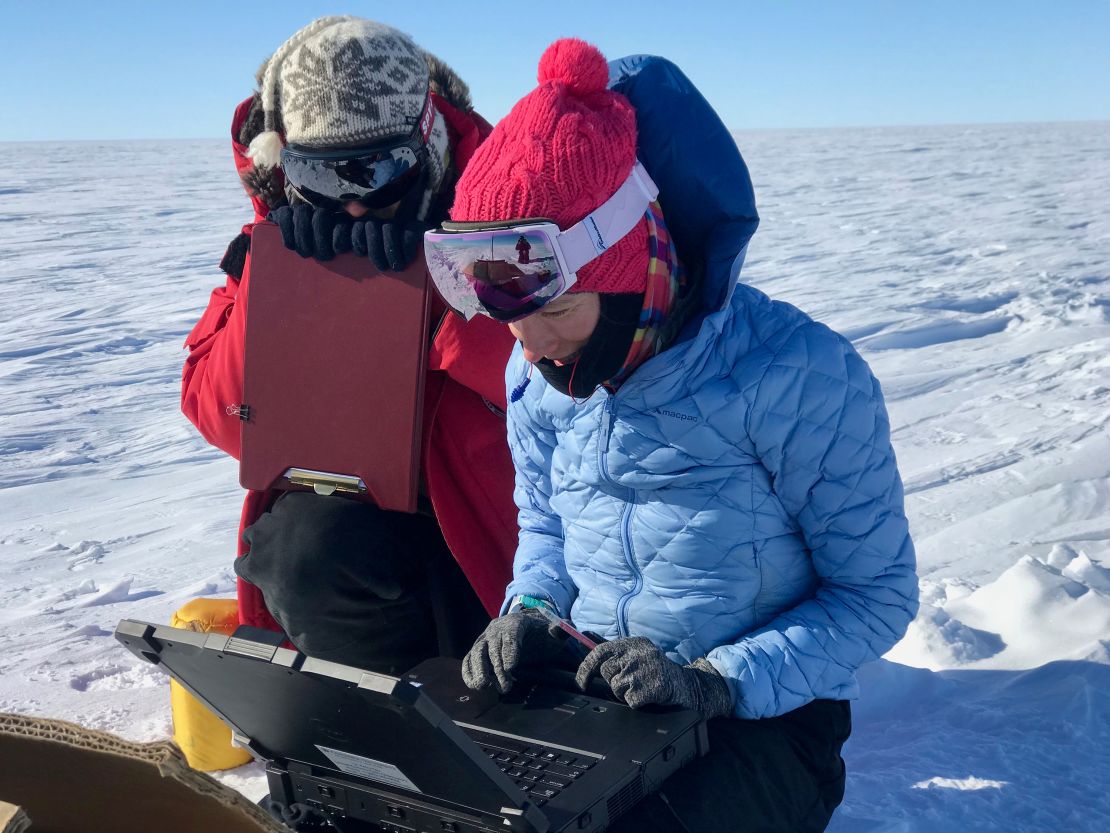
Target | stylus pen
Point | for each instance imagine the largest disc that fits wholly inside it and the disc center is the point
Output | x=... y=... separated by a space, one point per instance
x=555 y=619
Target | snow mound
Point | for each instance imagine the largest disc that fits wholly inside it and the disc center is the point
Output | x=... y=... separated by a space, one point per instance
x=970 y=783
x=217 y=584
x=117 y=592
x=1085 y=571
x=1037 y=611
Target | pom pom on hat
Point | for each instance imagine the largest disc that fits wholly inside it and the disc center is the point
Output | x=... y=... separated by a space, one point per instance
x=265 y=149
x=575 y=63
x=563 y=150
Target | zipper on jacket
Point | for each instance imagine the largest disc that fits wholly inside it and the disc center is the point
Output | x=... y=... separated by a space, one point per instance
x=608 y=417
x=606 y=432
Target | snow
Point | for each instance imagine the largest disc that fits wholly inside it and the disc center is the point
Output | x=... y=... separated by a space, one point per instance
x=969 y=264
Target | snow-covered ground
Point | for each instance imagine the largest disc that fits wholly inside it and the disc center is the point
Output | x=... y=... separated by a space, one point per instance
x=971 y=266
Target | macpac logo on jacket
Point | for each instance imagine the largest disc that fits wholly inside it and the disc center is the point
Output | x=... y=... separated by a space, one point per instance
x=675 y=415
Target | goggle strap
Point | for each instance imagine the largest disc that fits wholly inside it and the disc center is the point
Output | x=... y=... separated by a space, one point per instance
x=427 y=119
x=610 y=221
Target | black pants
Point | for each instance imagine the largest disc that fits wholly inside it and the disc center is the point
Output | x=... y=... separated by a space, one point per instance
x=776 y=775
x=351 y=583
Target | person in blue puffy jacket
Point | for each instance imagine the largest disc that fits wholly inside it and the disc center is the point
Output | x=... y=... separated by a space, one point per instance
x=704 y=475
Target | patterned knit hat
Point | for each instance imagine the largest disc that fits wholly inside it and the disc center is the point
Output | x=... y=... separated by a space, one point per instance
x=345 y=82
x=562 y=151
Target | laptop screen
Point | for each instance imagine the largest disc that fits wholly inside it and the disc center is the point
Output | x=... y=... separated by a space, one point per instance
x=360 y=725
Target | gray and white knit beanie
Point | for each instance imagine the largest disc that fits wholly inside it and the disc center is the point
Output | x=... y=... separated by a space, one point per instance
x=346 y=82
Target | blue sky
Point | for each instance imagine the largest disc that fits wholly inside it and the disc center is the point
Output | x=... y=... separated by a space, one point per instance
x=176 y=69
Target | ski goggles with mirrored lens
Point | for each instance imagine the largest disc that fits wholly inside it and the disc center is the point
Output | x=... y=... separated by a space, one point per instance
x=508 y=270
x=375 y=176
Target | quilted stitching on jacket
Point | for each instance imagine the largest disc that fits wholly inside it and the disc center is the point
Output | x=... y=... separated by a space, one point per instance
x=742 y=503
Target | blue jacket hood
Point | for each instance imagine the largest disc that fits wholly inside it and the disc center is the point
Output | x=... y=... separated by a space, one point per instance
x=704 y=185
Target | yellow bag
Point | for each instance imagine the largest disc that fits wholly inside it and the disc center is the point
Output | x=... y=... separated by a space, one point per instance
x=205 y=740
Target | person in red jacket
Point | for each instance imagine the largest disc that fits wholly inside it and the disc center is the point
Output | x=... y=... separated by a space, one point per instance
x=354 y=141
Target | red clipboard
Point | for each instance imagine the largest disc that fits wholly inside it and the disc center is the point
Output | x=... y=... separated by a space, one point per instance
x=333 y=376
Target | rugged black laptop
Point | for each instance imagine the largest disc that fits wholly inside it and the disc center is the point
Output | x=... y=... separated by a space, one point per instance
x=422 y=753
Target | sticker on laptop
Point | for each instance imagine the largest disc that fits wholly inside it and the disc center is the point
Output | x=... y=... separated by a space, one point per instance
x=368 y=768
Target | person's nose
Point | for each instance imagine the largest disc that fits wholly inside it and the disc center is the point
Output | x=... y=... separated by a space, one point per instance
x=355 y=209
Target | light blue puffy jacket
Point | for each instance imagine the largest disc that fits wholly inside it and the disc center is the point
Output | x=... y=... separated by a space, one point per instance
x=738 y=497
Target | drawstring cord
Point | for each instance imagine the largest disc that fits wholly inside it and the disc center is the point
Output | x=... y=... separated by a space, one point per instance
x=570 y=384
x=518 y=391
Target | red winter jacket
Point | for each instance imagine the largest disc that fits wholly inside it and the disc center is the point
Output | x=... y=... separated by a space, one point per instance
x=465 y=464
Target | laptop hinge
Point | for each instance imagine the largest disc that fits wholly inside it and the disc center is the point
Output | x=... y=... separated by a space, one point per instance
x=143 y=633
x=254 y=643
x=243 y=742
x=326 y=483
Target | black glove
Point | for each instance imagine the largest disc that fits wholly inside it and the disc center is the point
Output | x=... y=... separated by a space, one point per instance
x=640 y=674
x=306 y=230
x=507 y=640
x=391 y=245
x=321 y=233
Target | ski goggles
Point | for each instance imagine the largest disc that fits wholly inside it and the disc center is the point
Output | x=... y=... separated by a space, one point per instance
x=374 y=176
x=508 y=270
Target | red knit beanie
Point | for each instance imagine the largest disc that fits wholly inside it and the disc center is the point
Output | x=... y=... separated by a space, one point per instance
x=562 y=151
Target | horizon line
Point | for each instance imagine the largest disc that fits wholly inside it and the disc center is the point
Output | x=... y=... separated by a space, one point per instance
x=730 y=129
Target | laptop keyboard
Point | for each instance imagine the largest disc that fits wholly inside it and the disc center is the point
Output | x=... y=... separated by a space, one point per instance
x=537 y=770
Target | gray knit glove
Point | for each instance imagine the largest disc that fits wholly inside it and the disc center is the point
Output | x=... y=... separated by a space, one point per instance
x=640 y=674
x=523 y=635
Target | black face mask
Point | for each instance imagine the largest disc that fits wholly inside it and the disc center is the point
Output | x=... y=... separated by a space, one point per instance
x=606 y=350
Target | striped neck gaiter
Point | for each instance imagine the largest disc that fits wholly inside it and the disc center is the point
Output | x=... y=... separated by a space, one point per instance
x=666 y=279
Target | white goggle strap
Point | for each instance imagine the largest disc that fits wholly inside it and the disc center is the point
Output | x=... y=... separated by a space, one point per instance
x=610 y=221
